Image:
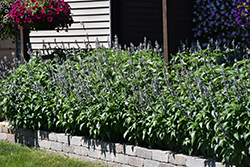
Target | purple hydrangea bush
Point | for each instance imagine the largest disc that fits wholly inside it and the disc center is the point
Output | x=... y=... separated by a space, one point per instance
x=215 y=19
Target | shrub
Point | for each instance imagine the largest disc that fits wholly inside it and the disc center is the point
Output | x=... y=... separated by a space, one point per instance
x=196 y=104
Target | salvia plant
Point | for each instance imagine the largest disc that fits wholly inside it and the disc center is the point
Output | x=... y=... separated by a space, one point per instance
x=198 y=103
x=215 y=19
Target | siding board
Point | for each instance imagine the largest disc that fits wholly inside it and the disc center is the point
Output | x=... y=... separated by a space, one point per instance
x=91 y=18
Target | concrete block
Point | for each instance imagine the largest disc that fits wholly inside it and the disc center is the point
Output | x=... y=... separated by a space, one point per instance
x=76 y=141
x=121 y=158
x=160 y=155
x=52 y=136
x=126 y=166
x=118 y=148
x=107 y=156
x=129 y=150
x=194 y=162
x=63 y=138
x=68 y=148
x=19 y=131
x=219 y=164
x=100 y=145
x=135 y=161
x=162 y=164
x=80 y=150
x=151 y=163
x=114 y=164
x=87 y=142
x=29 y=133
x=86 y=158
x=64 y=154
x=44 y=144
x=74 y=156
x=1 y=127
x=143 y=153
x=19 y=139
x=3 y=136
x=11 y=137
x=56 y=146
x=44 y=135
x=94 y=153
x=5 y=129
x=99 y=161
x=178 y=159
x=32 y=141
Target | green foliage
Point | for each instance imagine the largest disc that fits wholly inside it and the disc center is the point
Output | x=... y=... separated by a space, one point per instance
x=197 y=104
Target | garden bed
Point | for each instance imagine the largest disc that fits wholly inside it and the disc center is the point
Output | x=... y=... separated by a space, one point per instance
x=112 y=154
x=198 y=105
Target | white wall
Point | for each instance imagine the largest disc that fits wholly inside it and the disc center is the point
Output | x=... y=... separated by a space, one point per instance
x=95 y=16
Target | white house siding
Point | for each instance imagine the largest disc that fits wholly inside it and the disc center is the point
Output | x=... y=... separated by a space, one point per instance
x=95 y=17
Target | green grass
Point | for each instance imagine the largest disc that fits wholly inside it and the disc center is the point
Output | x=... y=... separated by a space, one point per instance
x=17 y=155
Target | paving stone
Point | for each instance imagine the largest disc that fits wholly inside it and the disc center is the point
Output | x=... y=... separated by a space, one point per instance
x=121 y=158
x=52 y=136
x=75 y=140
x=63 y=138
x=178 y=159
x=135 y=161
x=151 y=163
x=3 y=136
x=143 y=153
x=160 y=155
x=68 y=148
x=56 y=146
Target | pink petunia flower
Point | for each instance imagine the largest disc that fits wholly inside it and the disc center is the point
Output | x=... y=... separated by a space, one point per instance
x=49 y=19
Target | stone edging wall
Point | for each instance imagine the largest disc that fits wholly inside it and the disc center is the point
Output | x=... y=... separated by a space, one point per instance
x=112 y=154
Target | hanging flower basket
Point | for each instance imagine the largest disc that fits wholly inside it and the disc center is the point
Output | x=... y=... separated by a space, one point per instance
x=6 y=26
x=41 y=14
x=45 y=26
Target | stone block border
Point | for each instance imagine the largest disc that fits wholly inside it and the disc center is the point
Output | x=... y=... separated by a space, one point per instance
x=112 y=154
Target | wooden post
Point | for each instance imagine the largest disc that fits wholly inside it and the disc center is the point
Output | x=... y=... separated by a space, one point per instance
x=24 y=40
x=165 y=29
